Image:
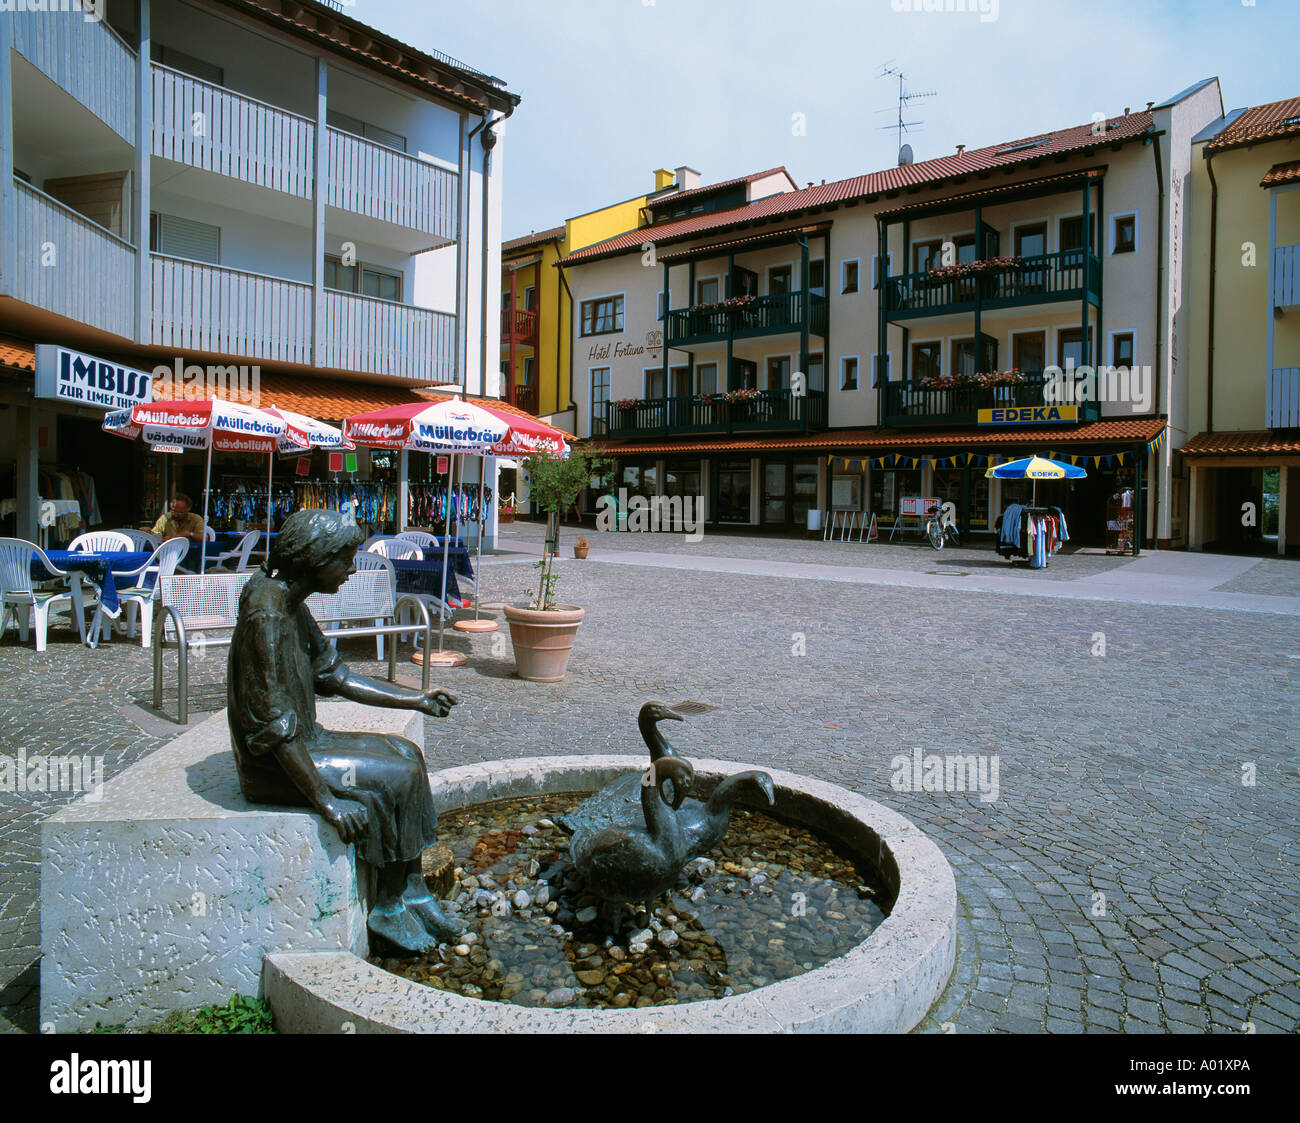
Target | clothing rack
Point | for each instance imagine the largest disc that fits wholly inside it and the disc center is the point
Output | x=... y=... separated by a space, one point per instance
x=427 y=504
x=1038 y=535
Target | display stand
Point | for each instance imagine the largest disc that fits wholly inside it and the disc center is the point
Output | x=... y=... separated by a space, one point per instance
x=1119 y=522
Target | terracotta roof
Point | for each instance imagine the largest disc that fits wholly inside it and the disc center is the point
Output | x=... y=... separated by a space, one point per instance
x=1262 y=122
x=1062 y=181
x=1281 y=173
x=1252 y=443
x=1008 y=154
x=349 y=36
x=535 y=239
x=16 y=353
x=675 y=196
x=904 y=440
x=749 y=241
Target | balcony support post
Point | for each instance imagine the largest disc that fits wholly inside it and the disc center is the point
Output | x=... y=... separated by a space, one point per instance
x=8 y=193
x=320 y=139
x=140 y=177
x=882 y=324
x=1139 y=508
x=963 y=522
x=1085 y=348
x=667 y=388
x=1272 y=294
x=26 y=452
x=805 y=301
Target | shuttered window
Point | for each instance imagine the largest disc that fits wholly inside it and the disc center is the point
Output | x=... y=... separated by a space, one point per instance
x=365 y=129
x=184 y=237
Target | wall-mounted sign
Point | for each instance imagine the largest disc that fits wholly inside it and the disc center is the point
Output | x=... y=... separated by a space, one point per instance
x=86 y=380
x=336 y=461
x=1029 y=415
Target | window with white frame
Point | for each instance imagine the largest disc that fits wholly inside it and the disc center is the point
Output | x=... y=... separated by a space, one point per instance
x=849 y=372
x=849 y=275
x=1124 y=233
x=603 y=315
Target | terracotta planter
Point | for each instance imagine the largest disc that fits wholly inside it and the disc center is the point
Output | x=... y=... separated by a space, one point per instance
x=505 y=516
x=543 y=640
x=580 y=551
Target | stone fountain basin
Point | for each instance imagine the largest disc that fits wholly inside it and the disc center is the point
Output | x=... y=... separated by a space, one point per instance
x=884 y=985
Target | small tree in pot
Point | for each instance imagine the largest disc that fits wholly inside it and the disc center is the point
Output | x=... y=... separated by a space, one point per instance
x=543 y=632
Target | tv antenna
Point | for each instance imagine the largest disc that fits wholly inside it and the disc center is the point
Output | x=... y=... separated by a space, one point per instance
x=905 y=97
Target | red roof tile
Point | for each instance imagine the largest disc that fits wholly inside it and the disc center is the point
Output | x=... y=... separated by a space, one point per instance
x=1281 y=173
x=1008 y=154
x=750 y=241
x=892 y=440
x=1064 y=180
x=675 y=196
x=1251 y=443
x=534 y=239
x=16 y=353
x=1262 y=122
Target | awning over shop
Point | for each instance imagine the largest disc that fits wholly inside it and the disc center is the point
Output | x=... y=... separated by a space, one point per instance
x=1262 y=445
x=1110 y=432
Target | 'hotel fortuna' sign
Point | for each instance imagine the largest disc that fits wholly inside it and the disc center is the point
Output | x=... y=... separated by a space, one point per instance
x=85 y=380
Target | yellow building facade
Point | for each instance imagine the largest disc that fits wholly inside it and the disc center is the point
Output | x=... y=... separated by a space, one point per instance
x=1242 y=465
x=537 y=306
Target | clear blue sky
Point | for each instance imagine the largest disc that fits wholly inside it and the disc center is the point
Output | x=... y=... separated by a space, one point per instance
x=615 y=88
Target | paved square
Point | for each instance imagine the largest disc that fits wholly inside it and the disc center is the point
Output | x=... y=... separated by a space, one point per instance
x=1128 y=876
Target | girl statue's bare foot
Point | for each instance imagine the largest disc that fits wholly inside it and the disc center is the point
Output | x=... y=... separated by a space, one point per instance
x=401 y=927
x=427 y=910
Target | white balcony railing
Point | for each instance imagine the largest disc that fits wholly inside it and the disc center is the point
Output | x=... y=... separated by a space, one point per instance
x=85 y=57
x=206 y=126
x=1282 y=402
x=371 y=179
x=379 y=336
x=1286 y=276
x=72 y=266
x=211 y=308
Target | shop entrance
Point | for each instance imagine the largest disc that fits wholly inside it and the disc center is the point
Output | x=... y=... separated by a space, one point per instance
x=83 y=446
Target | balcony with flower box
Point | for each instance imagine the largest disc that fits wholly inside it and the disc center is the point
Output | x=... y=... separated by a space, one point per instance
x=957 y=400
x=1003 y=282
x=741 y=317
x=732 y=411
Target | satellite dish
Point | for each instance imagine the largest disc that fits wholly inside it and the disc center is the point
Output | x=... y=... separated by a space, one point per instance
x=905 y=155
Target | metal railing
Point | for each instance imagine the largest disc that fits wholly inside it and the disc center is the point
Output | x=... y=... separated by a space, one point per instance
x=212 y=308
x=761 y=315
x=704 y=413
x=207 y=126
x=72 y=266
x=913 y=402
x=1031 y=280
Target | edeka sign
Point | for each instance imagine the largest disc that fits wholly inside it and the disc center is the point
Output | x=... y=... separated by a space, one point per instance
x=1029 y=415
x=84 y=380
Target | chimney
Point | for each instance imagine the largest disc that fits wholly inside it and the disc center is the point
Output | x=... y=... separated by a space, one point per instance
x=960 y=149
x=687 y=179
x=1126 y=111
x=1149 y=105
x=663 y=178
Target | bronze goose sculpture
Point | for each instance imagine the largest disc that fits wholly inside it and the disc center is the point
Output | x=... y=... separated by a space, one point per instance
x=625 y=863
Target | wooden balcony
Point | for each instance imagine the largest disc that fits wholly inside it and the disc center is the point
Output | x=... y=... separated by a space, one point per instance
x=912 y=403
x=372 y=179
x=524 y=397
x=71 y=266
x=770 y=410
x=1045 y=279
x=1282 y=402
x=760 y=315
x=1284 y=287
x=518 y=327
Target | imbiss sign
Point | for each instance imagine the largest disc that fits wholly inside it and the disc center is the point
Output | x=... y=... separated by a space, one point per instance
x=86 y=380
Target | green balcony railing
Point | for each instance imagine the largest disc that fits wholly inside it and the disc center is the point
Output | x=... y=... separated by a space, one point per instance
x=759 y=315
x=915 y=403
x=768 y=410
x=1043 y=279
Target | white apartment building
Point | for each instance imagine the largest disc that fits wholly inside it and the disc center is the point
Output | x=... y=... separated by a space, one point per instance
x=269 y=184
x=747 y=345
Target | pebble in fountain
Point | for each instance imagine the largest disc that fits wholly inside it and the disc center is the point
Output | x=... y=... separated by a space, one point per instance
x=621 y=805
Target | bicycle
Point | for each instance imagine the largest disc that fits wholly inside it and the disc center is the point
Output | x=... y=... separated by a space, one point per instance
x=941 y=526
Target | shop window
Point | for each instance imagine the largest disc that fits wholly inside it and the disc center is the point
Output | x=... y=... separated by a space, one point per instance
x=184 y=237
x=735 y=490
x=888 y=486
x=602 y=315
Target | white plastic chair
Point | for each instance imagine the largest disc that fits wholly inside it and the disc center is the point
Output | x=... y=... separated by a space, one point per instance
x=367 y=559
x=19 y=598
x=239 y=553
x=421 y=538
x=142 y=540
x=140 y=599
x=97 y=541
x=396 y=548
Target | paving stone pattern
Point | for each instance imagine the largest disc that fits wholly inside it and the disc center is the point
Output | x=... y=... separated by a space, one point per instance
x=1124 y=879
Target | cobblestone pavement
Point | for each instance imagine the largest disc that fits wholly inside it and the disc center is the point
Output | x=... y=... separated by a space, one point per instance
x=1125 y=878
x=1275 y=577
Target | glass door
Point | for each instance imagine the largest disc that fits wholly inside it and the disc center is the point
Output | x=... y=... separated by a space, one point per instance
x=775 y=507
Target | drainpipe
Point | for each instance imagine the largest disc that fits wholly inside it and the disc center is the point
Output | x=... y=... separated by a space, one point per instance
x=1209 y=349
x=489 y=142
x=1160 y=300
x=573 y=405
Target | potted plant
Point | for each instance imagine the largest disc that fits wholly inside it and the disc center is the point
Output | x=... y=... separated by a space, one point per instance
x=580 y=547
x=506 y=510
x=543 y=631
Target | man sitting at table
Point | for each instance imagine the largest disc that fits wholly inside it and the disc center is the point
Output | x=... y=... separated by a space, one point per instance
x=179 y=522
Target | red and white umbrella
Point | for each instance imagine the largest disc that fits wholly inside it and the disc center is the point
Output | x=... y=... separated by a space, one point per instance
x=207 y=424
x=445 y=426
x=304 y=432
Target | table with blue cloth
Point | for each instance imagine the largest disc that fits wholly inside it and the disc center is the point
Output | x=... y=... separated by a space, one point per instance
x=96 y=568
x=424 y=578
